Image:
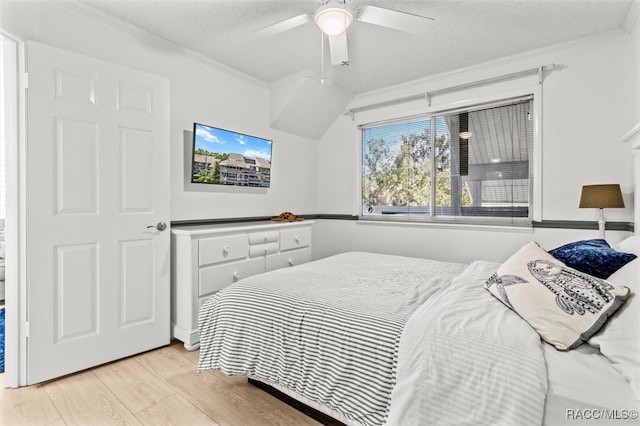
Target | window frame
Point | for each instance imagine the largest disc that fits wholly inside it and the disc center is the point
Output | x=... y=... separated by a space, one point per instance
x=391 y=115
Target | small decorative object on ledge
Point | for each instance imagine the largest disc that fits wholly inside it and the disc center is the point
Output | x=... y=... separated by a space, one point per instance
x=288 y=216
x=601 y=197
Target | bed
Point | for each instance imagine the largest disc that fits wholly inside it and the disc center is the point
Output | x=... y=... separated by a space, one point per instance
x=373 y=339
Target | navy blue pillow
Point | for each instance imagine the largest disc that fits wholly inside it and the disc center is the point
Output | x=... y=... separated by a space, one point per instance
x=593 y=257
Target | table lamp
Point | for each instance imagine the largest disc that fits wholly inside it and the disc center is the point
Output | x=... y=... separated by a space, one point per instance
x=601 y=197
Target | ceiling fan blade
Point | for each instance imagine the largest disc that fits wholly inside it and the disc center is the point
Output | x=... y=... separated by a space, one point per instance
x=393 y=19
x=282 y=26
x=338 y=49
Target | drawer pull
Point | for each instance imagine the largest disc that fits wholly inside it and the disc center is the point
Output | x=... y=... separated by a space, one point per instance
x=297 y=239
x=236 y=276
x=227 y=249
x=291 y=262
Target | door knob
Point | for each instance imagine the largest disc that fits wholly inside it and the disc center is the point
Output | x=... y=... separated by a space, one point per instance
x=161 y=226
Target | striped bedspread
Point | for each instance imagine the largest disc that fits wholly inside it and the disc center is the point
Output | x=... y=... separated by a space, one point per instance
x=307 y=328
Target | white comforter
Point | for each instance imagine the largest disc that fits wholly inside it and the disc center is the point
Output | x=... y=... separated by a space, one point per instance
x=466 y=360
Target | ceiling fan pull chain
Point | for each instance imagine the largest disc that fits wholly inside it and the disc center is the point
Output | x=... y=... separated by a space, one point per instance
x=321 y=57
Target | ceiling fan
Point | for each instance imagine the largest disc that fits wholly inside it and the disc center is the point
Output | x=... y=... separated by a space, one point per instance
x=334 y=17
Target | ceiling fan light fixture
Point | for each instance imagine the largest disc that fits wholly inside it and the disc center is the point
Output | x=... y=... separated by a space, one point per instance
x=333 y=18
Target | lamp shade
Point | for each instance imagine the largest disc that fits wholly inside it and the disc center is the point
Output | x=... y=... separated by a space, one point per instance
x=333 y=18
x=601 y=196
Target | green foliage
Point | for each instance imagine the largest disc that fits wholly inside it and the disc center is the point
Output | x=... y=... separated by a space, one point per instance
x=217 y=155
x=400 y=173
x=209 y=175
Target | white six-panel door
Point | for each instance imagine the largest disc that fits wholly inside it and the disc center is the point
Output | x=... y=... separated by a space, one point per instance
x=97 y=163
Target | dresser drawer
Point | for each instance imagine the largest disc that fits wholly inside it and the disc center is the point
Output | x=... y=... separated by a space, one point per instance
x=291 y=239
x=206 y=259
x=215 y=278
x=260 y=250
x=222 y=249
x=291 y=258
x=263 y=237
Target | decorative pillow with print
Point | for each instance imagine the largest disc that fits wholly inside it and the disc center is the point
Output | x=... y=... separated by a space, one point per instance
x=565 y=306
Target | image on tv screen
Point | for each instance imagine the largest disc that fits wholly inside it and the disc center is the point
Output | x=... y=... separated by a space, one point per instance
x=225 y=157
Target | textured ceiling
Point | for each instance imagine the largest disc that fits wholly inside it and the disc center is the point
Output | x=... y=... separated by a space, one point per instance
x=464 y=33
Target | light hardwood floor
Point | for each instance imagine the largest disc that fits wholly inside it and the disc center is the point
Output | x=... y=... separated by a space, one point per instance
x=160 y=387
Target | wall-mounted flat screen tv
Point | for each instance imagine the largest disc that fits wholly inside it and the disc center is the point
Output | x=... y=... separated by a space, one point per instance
x=225 y=157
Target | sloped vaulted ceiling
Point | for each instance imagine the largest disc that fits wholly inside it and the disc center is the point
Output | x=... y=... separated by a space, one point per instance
x=302 y=105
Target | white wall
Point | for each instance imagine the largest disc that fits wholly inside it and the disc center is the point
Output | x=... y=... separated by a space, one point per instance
x=588 y=103
x=440 y=243
x=200 y=92
x=587 y=106
x=633 y=25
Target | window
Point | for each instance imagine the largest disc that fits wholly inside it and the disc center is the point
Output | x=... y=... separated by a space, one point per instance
x=468 y=166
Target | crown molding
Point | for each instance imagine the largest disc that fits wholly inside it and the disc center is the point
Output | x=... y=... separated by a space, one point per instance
x=633 y=137
x=121 y=25
x=631 y=20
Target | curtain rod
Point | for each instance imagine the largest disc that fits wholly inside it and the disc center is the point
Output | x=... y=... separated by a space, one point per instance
x=428 y=95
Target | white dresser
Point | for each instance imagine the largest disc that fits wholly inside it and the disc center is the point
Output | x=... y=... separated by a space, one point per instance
x=207 y=258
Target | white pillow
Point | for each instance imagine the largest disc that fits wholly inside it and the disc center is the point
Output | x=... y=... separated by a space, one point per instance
x=565 y=306
x=619 y=340
x=629 y=245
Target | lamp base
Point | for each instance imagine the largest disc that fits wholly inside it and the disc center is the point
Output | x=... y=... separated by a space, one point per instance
x=601 y=224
